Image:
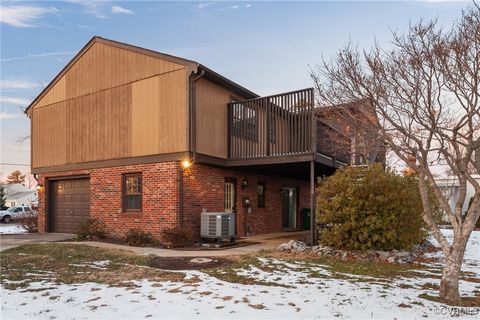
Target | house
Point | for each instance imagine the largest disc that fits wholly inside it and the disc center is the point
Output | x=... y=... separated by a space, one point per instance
x=17 y=194
x=140 y=139
x=346 y=133
x=450 y=187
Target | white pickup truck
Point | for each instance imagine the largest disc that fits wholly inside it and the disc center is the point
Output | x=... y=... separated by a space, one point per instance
x=12 y=213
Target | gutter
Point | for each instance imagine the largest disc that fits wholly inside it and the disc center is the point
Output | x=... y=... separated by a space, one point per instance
x=192 y=137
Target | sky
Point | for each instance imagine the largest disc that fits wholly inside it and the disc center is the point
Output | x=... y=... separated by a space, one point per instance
x=266 y=46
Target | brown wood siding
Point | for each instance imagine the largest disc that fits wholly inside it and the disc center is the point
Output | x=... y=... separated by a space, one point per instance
x=158 y=119
x=49 y=148
x=102 y=67
x=211 y=118
x=112 y=104
x=100 y=126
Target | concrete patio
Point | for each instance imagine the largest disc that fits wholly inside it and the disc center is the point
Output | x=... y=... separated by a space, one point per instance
x=260 y=242
x=8 y=241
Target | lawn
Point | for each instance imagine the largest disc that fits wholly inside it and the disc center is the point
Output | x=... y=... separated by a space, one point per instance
x=63 y=281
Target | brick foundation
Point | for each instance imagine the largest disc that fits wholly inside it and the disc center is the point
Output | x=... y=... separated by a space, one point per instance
x=203 y=188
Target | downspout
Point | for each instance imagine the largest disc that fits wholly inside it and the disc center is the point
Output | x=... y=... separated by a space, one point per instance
x=192 y=138
x=193 y=115
x=180 y=191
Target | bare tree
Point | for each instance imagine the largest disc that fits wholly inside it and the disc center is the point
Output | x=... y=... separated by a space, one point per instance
x=30 y=181
x=425 y=92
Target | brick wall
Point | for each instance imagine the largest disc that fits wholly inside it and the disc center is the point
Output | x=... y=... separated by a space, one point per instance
x=203 y=188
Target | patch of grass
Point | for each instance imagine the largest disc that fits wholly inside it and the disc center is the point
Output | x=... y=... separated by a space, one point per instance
x=464 y=302
x=351 y=270
x=72 y=263
x=403 y=305
x=429 y=286
x=470 y=279
x=342 y=268
x=229 y=273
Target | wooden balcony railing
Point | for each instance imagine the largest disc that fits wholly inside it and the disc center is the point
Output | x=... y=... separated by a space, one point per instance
x=332 y=143
x=277 y=125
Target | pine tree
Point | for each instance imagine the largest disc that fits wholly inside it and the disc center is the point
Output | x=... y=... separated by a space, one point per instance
x=2 y=197
x=16 y=177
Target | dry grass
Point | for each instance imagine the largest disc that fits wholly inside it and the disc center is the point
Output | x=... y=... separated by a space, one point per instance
x=340 y=268
x=464 y=302
x=65 y=263
x=229 y=273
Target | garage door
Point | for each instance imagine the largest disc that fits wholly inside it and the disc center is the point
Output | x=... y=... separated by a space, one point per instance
x=70 y=204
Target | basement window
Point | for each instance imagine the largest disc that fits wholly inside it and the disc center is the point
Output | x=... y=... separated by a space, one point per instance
x=132 y=192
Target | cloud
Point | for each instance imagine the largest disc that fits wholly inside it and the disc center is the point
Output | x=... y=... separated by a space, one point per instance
x=23 y=16
x=4 y=115
x=17 y=84
x=204 y=5
x=38 y=55
x=121 y=10
x=235 y=7
x=92 y=7
x=15 y=101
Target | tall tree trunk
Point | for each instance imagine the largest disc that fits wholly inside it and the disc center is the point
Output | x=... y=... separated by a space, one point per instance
x=451 y=273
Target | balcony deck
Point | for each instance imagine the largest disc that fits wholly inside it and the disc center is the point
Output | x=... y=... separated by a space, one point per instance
x=277 y=129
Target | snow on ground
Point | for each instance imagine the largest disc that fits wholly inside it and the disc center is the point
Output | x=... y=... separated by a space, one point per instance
x=471 y=260
x=297 y=295
x=8 y=228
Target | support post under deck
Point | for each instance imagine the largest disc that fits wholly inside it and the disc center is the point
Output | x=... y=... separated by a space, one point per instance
x=313 y=223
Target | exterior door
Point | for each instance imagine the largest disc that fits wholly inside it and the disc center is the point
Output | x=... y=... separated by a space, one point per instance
x=289 y=208
x=69 y=204
x=229 y=197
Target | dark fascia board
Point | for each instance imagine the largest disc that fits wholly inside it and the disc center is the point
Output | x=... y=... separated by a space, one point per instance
x=227 y=83
x=329 y=161
x=270 y=160
x=166 y=157
x=201 y=159
x=193 y=66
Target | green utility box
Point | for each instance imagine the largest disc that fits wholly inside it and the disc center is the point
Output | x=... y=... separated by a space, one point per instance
x=305 y=214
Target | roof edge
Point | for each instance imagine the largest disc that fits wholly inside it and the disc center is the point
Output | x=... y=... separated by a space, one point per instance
x=193 y=66
x=227 y=83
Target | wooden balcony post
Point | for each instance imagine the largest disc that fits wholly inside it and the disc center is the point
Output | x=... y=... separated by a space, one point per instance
x=313 y=220
x=313 y=126
x=269 y=127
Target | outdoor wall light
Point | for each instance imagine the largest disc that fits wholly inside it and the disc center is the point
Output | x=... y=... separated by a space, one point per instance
x=244 y=183
x=40 y=187
x=246 y=202
x=186 y=164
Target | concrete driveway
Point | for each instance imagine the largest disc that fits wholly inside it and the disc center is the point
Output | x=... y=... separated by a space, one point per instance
x=8 y=241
